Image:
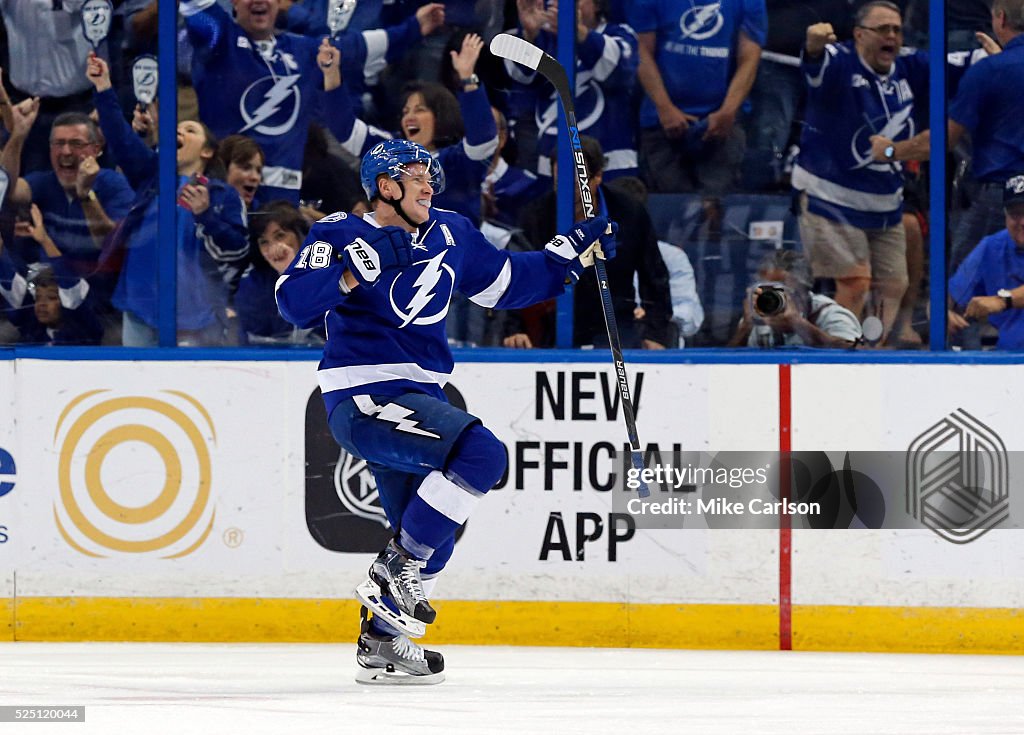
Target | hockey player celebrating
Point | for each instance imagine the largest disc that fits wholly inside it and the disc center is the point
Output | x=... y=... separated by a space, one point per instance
x=381 y=284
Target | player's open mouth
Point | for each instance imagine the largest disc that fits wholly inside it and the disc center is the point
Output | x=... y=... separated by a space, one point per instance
x=423 y=203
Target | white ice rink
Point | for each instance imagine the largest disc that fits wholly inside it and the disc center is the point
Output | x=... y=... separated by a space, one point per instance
x=309 y=689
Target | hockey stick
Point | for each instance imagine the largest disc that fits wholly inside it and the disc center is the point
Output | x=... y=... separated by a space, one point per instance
x=523 y=52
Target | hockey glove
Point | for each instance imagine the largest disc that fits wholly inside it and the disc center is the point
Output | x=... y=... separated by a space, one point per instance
x=576 y=242
x=386 y=249
x=608 y=245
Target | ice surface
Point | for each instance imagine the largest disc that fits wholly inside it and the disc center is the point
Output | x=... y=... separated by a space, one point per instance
x=299 y=688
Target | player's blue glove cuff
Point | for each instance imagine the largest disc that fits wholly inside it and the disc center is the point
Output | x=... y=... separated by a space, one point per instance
x=568 y=247
x=609 y=243
x=386 y=249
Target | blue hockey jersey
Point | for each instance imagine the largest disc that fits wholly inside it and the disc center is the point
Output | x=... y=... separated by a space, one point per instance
x=606 y=67
x=847 y=103
x=270 y=90
x=309 y=17
x=391 y=339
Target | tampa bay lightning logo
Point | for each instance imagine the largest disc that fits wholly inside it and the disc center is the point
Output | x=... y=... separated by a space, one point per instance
x=421 y=294
x=270 y=106
x=891 y=128
x=589 y=106
x=701 y=21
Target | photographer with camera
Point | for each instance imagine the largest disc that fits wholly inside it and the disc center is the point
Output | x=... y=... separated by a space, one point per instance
x=781 y=310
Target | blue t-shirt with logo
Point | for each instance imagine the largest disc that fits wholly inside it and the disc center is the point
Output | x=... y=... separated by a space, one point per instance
x=695 y=48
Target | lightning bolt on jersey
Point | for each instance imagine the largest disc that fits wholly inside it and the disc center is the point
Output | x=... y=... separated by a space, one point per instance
x=391 y=339
x=267 y=90
x=695 y=48
x=606 y=64
x=847 y=103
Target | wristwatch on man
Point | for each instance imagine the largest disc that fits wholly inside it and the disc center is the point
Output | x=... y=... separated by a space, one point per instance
x=1007 y=296
x=471 y=81
x=889 y=152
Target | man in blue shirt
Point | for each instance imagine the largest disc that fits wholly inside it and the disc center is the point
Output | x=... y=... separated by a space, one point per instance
x=697 y=65
x=990 y=282
x=989 y=105
x=81 y=203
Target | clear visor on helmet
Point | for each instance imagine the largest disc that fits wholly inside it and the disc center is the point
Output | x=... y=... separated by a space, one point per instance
x=427 y=171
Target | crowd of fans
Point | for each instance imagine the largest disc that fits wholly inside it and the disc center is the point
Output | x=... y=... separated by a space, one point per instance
x=822 y=101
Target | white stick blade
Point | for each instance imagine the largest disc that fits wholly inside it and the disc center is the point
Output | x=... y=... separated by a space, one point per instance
x=516 y=49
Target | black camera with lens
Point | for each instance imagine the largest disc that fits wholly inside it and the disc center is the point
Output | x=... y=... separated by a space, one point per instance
x=769 y=298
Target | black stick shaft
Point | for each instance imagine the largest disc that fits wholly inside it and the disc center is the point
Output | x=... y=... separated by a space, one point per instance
x=525 y=53
x=582 y=176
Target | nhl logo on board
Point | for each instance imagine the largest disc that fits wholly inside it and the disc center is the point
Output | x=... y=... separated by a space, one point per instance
x=357 y=488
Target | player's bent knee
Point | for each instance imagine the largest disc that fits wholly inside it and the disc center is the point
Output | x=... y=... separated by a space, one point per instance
x=478 y=460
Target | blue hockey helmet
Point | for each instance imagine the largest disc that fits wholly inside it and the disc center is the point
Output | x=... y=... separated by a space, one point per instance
x=391 y=157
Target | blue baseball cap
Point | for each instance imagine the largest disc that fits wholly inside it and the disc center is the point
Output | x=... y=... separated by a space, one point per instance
x=1013 y=191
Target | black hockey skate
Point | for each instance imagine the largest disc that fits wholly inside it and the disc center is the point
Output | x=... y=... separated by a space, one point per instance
x=394 y=577
x=395 y=660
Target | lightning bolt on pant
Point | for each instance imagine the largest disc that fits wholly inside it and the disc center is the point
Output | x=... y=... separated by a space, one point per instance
x=432 y=462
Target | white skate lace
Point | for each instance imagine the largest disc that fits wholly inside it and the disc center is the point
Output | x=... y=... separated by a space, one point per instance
x=405 y=648
x=410 y=577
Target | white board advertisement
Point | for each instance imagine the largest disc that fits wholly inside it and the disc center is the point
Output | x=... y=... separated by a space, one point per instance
x=221 y=479
x=10 y=456
x=913 y=409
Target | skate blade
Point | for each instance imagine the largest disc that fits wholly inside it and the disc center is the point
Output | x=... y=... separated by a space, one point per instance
x=381 y=677
x=369 y=594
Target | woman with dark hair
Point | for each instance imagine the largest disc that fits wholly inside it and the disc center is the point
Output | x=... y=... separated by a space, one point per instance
x=276 y=232
x=430 y=116
x=211 y=237
x=458 y=131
